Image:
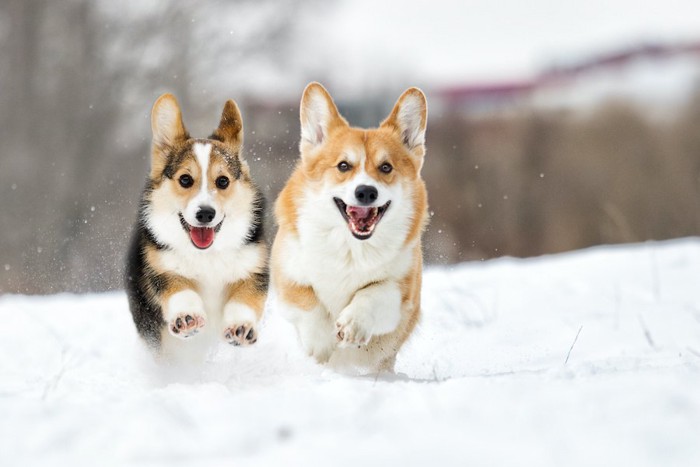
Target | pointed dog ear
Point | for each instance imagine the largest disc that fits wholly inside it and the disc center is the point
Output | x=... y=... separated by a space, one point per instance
x=318 y=115
x=230 y=130
x=409 y=119
x=166 y=122
x=168 y=131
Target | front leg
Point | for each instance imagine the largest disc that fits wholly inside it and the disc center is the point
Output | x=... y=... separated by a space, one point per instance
x=243 y=310
x=183 y=309
x=313 y=324
x=374 y=310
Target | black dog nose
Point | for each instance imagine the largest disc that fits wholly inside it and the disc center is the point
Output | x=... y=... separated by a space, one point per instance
x=205 y=214
x=366 y=194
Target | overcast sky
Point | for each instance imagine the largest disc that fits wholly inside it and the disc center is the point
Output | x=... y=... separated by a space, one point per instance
x=450 y=41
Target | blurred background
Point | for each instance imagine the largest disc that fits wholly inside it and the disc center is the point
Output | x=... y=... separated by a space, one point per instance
x=552 y=125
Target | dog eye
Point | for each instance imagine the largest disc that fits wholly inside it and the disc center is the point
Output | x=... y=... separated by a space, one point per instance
x=344 y=166
x=222 y=182
x=186 y=181
x=386 y=168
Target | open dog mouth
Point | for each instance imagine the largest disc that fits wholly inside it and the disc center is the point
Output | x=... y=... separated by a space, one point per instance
x=362 y=220
x=202 y=237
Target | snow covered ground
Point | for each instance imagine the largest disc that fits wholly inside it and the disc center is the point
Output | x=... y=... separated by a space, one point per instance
x=484 y=380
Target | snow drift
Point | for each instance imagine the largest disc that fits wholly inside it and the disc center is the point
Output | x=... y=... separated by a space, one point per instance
x=485 y=379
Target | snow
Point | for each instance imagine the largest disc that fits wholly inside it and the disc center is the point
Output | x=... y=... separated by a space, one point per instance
x=483 y=381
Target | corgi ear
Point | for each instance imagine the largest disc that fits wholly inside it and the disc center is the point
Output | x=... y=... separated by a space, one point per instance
x=168 y=130
x=319 y=116
x=409 y=118
x=166 y=122
x=230 y=130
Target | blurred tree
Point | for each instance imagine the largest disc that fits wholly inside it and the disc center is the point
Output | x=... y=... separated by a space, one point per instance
x=77 y=75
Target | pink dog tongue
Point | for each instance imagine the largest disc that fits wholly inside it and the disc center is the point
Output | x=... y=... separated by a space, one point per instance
x=358 y=213
x=202 y=237
x=361 y=217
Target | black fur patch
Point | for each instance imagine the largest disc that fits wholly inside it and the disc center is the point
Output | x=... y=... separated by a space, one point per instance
x=175 y=160
x=256 y=232
x=176 y=157
x=150 y=238
x=232 y=159
x=262 y=280
x=142 y=283
x=142 y=225
x=142 y=288
x=215 y=137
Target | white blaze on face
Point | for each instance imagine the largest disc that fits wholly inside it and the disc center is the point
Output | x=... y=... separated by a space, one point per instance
x=347 y=189
x=362 y=177
x=204 y=197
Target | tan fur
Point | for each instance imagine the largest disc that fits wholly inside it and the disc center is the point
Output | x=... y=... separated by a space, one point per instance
x=301 y=296
x=173 y=283
x=285 y=206
x=249 y=293
x=318 y=166
x=230 y=130
x=410 y=293
x=168 y=132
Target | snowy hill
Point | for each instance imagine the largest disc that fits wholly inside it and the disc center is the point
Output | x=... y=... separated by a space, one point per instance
x=484 y=380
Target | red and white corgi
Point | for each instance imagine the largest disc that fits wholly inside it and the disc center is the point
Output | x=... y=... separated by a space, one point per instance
x=347 y=260
x=197 y=265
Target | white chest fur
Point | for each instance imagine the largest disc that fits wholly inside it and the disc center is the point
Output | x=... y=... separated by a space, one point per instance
x=336 y=265
x=325 y=255
x=212 y=270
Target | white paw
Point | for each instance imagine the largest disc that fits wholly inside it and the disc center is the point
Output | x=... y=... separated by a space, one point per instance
x=240 y=323
x=184 y=325
x=351 y=330
x=241 y=334
x=185 y=314
x=318 y=351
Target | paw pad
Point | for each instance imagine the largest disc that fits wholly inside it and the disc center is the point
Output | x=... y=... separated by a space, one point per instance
x=186 y=325
x=241 y=334
x=349 y=334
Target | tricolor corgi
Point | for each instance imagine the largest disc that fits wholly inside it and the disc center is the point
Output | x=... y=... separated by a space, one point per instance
x=197 y=264
x=346 y=261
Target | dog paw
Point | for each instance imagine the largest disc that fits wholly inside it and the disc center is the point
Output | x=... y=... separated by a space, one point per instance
x=186 y=325
x=241 y=334
x=350 y=332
